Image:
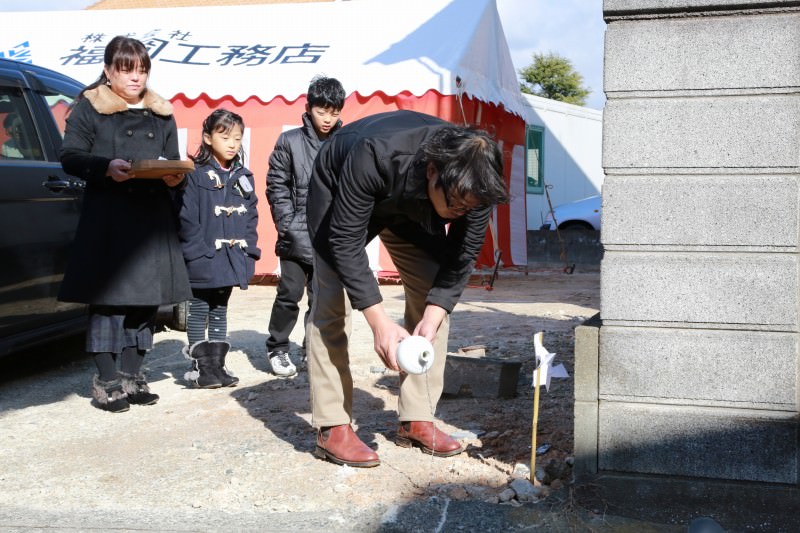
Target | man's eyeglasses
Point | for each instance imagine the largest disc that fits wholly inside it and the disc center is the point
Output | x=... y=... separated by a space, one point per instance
x=456 y=204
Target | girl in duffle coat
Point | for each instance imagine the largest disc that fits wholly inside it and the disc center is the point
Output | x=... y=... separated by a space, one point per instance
x=126 y=259
x=218 y=220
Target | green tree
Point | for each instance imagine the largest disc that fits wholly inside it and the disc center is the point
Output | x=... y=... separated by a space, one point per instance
x=552 y=76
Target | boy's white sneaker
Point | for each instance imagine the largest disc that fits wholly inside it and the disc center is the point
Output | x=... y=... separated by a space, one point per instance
x=281 y=364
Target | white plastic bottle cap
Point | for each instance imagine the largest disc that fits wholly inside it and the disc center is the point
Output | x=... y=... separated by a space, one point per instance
x=415 y=354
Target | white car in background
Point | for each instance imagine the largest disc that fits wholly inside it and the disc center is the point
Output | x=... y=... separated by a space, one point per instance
x=581 y=215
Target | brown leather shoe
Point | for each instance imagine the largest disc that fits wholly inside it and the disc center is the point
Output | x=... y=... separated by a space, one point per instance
x=421 y=434
x=341 y=445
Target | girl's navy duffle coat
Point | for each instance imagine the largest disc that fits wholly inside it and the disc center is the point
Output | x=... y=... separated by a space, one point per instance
x=218 y=220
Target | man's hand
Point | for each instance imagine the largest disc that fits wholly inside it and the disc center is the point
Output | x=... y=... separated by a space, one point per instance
x=387 y=335
x=119 y=169
x=431 y=320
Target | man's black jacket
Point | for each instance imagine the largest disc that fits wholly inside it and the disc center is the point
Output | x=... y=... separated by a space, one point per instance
x=371 y=175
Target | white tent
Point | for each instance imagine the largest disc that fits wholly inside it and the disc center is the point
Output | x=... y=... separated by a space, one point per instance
x=445 y=57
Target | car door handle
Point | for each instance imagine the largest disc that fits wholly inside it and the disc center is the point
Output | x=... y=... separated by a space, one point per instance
x=57 y=184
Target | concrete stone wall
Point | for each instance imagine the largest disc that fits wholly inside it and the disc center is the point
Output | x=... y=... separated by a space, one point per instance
x=696 y=360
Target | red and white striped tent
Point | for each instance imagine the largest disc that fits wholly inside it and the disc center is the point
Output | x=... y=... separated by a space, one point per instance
x=448 y=58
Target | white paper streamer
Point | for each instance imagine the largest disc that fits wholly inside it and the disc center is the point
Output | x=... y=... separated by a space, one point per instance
x=545 y=359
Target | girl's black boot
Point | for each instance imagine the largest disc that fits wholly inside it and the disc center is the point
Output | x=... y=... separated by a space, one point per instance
x=203 y=373
x=219 y=349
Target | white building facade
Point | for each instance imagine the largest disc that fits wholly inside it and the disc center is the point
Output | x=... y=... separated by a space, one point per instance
x=564 y=153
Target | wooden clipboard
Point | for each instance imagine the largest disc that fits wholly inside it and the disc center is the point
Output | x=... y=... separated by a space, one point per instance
x=158 y=168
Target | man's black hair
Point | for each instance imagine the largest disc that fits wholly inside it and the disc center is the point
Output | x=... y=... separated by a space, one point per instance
x=469 y=162
x=325 y=92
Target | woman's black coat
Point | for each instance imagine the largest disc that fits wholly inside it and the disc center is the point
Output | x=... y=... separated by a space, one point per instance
x=126 y=250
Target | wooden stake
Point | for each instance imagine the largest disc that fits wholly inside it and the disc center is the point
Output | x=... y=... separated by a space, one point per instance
x=535 y=424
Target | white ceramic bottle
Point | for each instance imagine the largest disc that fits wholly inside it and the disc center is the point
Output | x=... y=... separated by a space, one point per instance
x=415 y=354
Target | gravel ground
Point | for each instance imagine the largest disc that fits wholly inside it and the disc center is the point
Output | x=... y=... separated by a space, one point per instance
x=246 y=451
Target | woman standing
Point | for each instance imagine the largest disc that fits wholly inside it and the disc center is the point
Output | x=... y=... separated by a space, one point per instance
x=126 y=259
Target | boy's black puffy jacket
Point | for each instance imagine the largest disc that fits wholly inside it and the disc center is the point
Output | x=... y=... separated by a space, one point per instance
x=287 y=188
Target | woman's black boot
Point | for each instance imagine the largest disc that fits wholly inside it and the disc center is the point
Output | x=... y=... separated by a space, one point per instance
x=137 y=389
x=109 y=395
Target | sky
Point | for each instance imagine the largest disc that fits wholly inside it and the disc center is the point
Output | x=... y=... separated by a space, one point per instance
x=573 y=29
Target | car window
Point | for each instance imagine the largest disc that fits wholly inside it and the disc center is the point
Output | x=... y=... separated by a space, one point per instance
x=59 y=105
x=18 y=137
x=59 y=97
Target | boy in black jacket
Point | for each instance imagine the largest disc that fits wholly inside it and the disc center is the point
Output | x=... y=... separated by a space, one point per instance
x=287 y=189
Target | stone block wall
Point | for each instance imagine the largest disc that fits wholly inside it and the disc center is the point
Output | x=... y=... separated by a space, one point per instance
x=697 y=355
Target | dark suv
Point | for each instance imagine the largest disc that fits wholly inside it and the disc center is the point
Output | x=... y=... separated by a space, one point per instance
x=40 y=206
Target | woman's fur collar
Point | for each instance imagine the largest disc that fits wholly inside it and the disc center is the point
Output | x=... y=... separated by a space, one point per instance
x=106 y=102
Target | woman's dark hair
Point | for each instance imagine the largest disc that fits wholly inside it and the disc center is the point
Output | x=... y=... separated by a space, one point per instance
x=469 y=162
x=325 y=92
x=122 y=53
x=220 y=120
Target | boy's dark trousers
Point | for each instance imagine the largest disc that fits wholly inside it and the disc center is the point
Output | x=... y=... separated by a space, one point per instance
x=295 y=277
